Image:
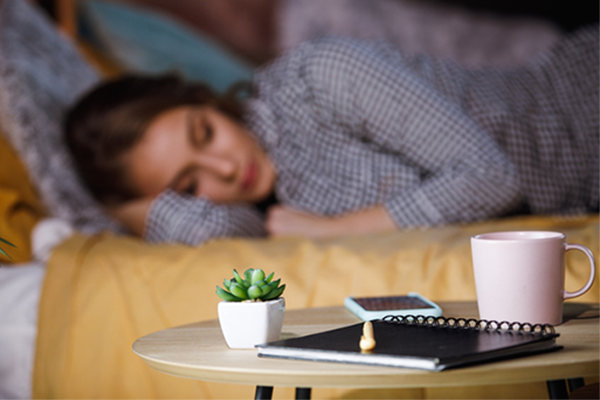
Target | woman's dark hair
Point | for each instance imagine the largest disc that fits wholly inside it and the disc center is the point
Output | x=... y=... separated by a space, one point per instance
x=112 y=118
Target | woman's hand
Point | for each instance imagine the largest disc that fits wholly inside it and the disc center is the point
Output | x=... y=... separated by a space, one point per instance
x=284 y=221
x=132 y=214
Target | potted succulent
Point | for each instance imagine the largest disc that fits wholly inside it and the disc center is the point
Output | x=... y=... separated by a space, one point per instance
x=252 y=309
x=2 y=251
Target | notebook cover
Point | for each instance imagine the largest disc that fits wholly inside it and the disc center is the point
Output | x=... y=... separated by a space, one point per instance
x=413 y=346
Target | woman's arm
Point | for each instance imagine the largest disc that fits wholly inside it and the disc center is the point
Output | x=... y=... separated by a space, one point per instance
x=132 y=214
x=284 y=221
x=185 y=219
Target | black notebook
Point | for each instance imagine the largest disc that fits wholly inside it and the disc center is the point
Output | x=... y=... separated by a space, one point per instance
x=430 y=343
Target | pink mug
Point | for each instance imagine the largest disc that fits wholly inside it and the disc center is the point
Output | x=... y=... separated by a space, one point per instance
x=520 y=276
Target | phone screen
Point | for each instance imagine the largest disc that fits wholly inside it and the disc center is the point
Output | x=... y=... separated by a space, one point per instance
x=391 y=303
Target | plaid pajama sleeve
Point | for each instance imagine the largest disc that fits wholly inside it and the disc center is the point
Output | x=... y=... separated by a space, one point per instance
x=190 y=220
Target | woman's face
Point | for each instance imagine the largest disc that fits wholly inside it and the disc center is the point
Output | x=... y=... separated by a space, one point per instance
x=200 y=151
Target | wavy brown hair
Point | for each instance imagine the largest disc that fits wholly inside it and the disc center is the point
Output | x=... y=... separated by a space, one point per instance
x=111 y=119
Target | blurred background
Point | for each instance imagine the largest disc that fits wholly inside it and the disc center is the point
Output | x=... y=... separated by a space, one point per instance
x=222 y=41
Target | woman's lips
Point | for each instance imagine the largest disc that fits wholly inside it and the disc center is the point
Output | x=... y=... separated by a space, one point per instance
x=250 y=178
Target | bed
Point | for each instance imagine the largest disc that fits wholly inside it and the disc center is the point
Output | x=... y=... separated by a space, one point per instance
x=79 y=292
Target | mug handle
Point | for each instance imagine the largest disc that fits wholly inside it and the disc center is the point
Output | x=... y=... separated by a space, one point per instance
x=588 y=285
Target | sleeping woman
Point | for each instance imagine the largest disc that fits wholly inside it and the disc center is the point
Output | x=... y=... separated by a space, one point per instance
x=341 y=136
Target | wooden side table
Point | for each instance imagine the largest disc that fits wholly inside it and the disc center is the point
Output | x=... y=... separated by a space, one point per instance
x=198 y=351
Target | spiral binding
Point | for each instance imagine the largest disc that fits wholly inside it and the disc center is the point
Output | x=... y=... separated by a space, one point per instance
x=469 y=323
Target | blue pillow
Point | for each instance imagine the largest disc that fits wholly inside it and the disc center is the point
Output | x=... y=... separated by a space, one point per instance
x=148 y=42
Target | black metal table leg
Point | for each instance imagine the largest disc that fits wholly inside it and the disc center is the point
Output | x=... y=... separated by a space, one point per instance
x=263 y=393
x=575 y=383
x=303 y=393
x=557 y=389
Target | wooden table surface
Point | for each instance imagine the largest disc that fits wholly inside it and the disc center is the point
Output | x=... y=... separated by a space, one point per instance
x=198 y=351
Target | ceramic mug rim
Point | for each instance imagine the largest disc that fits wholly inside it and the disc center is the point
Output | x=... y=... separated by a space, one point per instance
x=519 y=236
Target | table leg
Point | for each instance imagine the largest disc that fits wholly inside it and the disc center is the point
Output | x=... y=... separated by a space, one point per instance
x=263 y=393
x=303 y=393
x=575 y=383
x=557 y=389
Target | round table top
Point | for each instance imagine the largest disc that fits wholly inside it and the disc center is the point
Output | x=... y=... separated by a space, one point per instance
x=198 y=351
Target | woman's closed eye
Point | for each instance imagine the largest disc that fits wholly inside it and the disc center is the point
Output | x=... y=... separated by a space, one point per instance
x=208 y=132
x=191 y=188
x=201 y=132
x=187 y=183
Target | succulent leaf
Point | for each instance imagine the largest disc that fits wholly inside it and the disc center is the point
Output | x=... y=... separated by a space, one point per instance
x=248 y=274
x=265 y=290
x=7 y=242
x=274 y=284
x=226 y=283
x=260 y=283
x=254 y=292
x=239 y=291
x=237 y=277
x=274 y=293
x=257 y=275
x=226 y=295
x=270 y=277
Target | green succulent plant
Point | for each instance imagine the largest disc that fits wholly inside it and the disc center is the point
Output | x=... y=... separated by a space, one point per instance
x=254 y=286
x=2 y=251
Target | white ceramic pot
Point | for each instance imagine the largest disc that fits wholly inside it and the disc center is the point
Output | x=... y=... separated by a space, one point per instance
x=246 y=324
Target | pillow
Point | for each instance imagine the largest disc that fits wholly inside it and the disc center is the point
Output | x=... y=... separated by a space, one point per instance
x=451 y=31
x=41 y=73
x=148 y=42
x=20 y=206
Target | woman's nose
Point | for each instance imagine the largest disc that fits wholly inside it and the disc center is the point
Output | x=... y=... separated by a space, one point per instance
x=223 y=167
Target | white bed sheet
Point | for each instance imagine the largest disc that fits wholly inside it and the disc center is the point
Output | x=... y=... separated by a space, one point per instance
x=20 y=287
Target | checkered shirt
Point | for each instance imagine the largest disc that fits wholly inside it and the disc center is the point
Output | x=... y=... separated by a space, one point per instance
x=353 y=124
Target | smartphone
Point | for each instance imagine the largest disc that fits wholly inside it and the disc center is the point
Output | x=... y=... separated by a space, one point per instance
x=369 y=308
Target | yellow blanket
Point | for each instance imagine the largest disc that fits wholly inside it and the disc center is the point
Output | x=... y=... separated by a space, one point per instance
x=103 y=292
x=20 y=206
